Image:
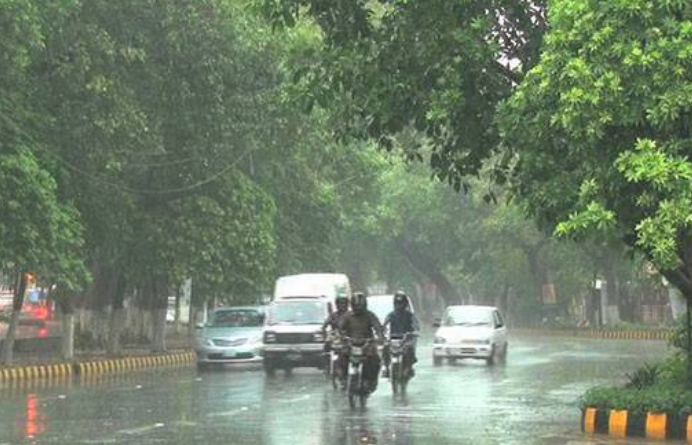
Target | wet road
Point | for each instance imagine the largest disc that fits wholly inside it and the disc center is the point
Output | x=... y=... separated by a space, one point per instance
x=530 y=400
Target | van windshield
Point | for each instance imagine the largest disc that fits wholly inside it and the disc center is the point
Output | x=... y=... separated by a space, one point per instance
x=297 y=312
x=465 y=317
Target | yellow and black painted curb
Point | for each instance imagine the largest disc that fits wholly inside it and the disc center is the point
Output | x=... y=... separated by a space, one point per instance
x=622 y=423
x=23 y=373
x=134 y=363
x=66 y=371
x=601 y=333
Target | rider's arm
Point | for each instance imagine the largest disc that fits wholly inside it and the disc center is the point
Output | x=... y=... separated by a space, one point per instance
x=377 y=326
x=414 y=323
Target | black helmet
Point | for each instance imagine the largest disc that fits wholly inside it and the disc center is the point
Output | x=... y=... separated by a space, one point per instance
x=400 y=298
x=359 y=303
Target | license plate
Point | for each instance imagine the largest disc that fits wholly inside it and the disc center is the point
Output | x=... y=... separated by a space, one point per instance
x=230 y=354
x=357 y=351
x=294 y=357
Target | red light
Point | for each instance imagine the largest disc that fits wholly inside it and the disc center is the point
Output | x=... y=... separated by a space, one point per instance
x=41 y=312
x=43 y=332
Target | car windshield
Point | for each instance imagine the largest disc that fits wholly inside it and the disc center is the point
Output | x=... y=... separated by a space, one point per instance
x=297 y=312
x=467 y=318
x=236 y=318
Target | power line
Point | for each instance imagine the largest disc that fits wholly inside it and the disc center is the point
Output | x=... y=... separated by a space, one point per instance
x=140 y=191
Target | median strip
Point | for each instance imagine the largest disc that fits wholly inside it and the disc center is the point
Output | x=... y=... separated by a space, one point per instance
x=599 y=333
x=95 y=367
x=622 y=423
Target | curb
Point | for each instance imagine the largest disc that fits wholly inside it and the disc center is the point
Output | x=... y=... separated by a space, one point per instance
x=597 y=333
x=621 y=423
x=95 y=367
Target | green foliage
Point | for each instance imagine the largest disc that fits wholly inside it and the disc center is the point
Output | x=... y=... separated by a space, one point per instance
x=661 y=388
x=601 y=126
x=643 y=377
x=657 y=399
x=385 y=67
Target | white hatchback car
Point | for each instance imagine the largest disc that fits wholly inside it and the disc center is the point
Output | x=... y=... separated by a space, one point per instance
x=476 y=332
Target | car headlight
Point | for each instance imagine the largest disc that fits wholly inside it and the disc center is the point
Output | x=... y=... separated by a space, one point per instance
x=439 y=339
x=269 y=337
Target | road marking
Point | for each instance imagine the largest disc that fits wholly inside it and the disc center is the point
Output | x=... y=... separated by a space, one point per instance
x=141 y=430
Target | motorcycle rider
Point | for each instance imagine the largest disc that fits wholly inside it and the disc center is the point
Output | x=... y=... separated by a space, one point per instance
x=401 y=321
x=333 y=322
x=335 y=318
x=361 y=324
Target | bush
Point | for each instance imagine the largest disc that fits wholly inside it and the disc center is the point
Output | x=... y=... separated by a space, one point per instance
x=643 y=377
x=661 y=388
x=658 y=398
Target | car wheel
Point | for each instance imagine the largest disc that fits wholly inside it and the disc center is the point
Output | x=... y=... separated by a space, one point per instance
x=437 y=361
x=203 y=366
x=491 y=360
x=505 y=350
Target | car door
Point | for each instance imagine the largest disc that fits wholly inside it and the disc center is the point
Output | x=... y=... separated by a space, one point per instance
x=500 y=332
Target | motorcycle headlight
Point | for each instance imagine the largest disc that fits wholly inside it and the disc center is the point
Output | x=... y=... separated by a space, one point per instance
x=269 y=337
x=439 y=339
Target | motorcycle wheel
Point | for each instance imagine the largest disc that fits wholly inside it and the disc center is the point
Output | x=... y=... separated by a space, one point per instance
x=395 y=378
x=353 y=390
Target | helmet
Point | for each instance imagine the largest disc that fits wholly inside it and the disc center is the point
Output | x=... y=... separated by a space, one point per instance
x=359 y=303
x=341 y=303
x=400 y=299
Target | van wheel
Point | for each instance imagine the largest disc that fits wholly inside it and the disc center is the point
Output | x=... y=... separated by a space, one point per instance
x=269 y=367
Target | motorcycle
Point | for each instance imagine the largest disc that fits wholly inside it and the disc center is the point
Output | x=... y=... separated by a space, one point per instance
x=401 y=366
x=357 y=388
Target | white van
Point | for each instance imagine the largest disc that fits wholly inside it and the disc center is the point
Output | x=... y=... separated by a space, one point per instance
x=325 y=285
x=293 y=326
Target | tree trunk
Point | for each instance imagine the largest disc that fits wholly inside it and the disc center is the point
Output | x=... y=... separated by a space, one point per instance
x=66 y=306
x=17 y=303
x=67 y=341
x=117 y=317
x=158 y=299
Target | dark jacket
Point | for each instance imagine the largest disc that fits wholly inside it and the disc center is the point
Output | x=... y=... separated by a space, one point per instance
x=401 y=323
x=362 y=326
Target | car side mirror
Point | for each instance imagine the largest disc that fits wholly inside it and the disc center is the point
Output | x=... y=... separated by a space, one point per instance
x=499 y=325
x=199 y=326
x=437 y=323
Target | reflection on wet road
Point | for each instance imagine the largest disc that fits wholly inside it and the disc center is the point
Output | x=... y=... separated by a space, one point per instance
x=530 y=400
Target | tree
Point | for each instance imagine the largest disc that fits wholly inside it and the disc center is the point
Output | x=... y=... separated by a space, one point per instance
x=602 y=130
x=38 y=235
x=439 y=67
